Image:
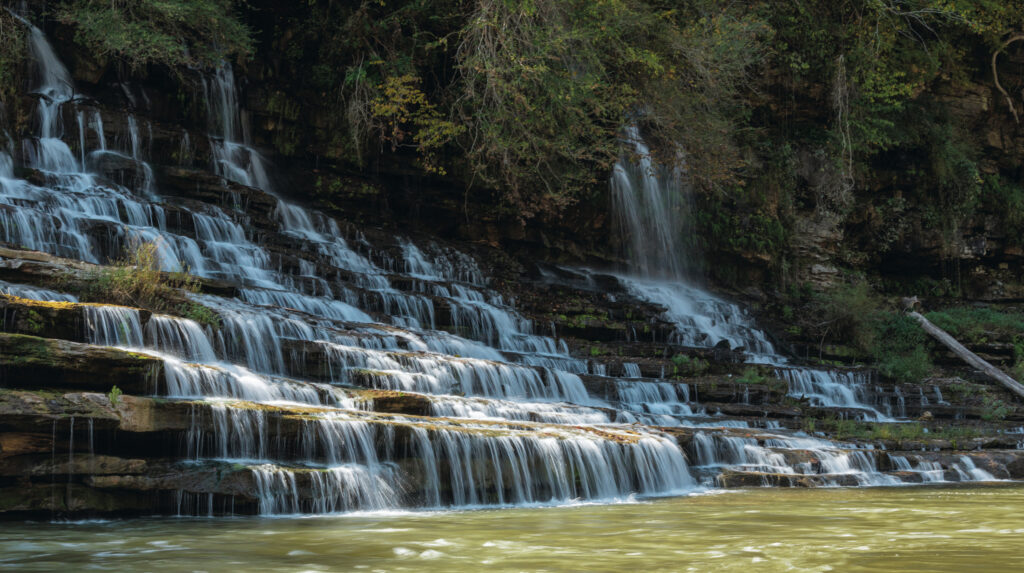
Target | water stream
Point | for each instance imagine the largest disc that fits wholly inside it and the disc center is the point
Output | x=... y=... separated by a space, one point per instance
x=653 y=204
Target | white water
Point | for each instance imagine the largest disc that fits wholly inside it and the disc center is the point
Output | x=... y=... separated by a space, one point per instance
x=650 y=201
x=514 y=422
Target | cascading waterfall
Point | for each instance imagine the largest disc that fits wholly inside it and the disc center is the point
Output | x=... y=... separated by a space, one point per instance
x=203 y=364
x=652 y=207
x=279 y=384
x=649 y=200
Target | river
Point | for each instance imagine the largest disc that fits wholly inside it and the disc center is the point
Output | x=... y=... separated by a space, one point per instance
x=967 y=528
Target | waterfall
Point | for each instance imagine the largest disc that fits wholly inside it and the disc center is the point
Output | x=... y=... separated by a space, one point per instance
x=35 y=293
x=651 y=202
x=293 y=377
x=114 y=326
x=234 y=156
x=49 y=152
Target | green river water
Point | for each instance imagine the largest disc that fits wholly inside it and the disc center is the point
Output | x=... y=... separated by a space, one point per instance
x=976 y=528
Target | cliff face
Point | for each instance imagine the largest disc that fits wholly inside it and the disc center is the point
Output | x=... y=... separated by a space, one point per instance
x=888 y=227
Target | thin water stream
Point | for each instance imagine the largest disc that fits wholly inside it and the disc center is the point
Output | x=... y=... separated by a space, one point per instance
x=967 y=528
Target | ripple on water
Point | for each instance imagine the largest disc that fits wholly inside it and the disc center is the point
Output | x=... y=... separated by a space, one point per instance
x=794 y=531
x=437 y=543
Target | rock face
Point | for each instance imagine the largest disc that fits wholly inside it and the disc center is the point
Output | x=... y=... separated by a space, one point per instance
x=31 y=362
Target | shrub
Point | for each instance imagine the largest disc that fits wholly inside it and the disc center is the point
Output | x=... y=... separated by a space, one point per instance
x=12 y=55
x=752 y=375
x=683 y=365
x=896 y=343
x=906 y=367
x=994 y=409
x=850 y=311
x=199 y=313
x=900 y=347
x=136 y=280
x=114 y=395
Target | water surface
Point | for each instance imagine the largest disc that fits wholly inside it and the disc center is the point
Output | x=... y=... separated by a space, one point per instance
x=971 y=528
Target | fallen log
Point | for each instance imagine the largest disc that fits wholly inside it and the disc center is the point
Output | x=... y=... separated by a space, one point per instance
x=968 y=356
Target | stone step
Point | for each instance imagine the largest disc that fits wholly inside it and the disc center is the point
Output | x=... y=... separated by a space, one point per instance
x=31 y=362
x=736 y=479
x=73 y=277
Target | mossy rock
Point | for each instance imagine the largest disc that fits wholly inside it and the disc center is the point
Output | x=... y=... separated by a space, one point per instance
x=63 y=320
x=31 y=362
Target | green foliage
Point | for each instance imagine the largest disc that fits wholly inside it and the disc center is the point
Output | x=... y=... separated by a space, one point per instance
x=900 y=346
x=136 y=280
x=963 y=389
x=994 y=409
x=175 y=33
x=199 y=313
x=547 y=85
x=683 y=365
x=530 y=96
x=34 y=322
x=405 y=116
x=850 y=311
x=878 y=55
x=114 y=395
x=787 y=312
x=870 y=70
x=748 y=230
x=976 y=324
x=810 y=425
x=896 y=343
x=752 y=375
x=906 y=366
x=842 y=429
x=949 y=184
x=1007 y=199
x=12 y=55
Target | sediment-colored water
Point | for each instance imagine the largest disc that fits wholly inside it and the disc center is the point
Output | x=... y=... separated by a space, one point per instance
x=966 y=528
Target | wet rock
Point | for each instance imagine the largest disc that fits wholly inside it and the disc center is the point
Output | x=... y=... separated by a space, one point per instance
x=52 y=499
x=80 y=464
x=755 y=410
x=41 y=269
x=213 y=189
x=30 y=362
x=27 y=412
x=1015 y=468
x=46 y=319
x=737 y=479
x=400 y=403
x=20 y=443
x=206 y=478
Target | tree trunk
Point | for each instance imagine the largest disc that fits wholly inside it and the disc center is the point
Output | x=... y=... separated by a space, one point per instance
x=968 y=356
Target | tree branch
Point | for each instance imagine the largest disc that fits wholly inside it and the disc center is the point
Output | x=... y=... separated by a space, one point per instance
x=1014 y=37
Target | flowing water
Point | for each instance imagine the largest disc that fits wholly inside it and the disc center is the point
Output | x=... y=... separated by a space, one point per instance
x=976 y=528
x=323 y=312
x=653 y=204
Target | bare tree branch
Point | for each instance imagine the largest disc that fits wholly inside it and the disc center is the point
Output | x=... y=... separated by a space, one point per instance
x=1014 y=37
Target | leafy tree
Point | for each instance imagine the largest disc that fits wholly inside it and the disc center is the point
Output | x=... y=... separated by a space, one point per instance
x=175 y=33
